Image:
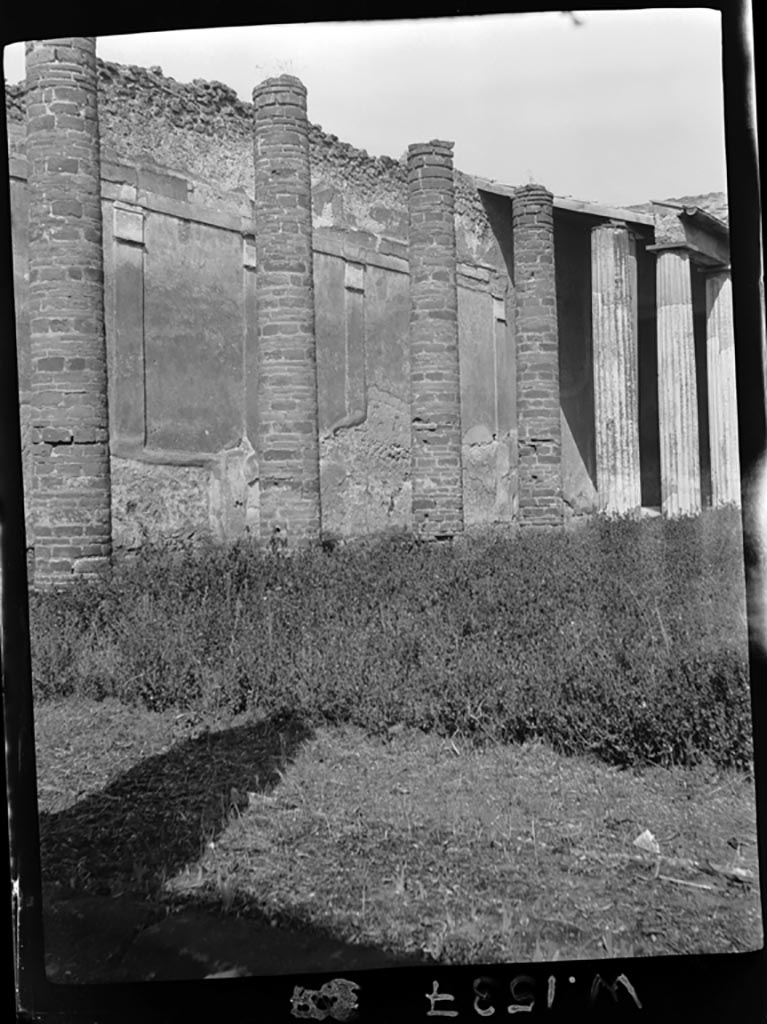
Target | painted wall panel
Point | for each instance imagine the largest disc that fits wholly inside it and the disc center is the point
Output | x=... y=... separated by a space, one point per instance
x=365 y=453
x=193 y=311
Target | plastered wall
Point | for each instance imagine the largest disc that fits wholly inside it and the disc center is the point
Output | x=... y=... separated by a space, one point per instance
x=180 y=302
x=181 y=298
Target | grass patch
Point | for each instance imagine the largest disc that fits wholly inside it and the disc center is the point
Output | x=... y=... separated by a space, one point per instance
x=418 y=844
x=414 y=746
x=623 y=640
x=506 y=854
x=129 y=796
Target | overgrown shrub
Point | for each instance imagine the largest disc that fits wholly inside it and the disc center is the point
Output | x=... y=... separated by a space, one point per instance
x=624 y=639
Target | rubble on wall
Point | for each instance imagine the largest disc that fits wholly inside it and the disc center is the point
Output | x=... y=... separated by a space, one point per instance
x=152 y=502
x=204 y=129
x=15 y=101
x=377 y=495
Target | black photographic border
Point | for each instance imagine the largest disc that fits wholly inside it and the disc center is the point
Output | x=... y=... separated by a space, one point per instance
x=729 y=987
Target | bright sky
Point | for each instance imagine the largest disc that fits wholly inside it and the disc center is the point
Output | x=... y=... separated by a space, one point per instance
x=625 y=107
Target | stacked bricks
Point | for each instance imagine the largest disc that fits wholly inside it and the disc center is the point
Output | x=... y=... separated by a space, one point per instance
x=435 y=394
x=285 y=431
x=538 y=415
x=71 y=501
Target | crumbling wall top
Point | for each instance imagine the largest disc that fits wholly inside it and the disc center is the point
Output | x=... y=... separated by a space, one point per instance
x=205 y=130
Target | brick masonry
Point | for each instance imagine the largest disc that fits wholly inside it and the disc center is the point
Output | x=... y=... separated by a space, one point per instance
x=68 y=374
x=285 y=432
x=435 y=394
x=204 y=129
x=538 y=408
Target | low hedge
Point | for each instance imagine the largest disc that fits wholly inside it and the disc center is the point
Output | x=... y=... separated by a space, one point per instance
x=623 y=639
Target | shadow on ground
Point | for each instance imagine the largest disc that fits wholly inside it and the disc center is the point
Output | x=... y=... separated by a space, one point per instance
x=105 y=861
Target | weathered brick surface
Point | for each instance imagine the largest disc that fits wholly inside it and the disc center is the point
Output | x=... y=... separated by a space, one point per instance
x=285 y=432
x=68 y=376
x=437 y=495
x=205 y=130
x=538 y=411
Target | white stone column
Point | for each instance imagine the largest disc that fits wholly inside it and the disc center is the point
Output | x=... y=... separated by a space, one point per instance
x=722 y=402
x=616 y=387
x=677 y=387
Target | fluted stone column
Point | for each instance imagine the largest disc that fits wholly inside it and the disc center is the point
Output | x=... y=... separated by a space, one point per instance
x=435 y=392
x=722 y=400
x=285 y=431
x=677 y=387
x=71 y=496
x=537 y=340
x=616 y=388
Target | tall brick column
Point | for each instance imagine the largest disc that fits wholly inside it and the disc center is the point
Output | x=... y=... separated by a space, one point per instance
x=71 y=498
x=677 y=386
x=435 y=392
x=537 y=339
x=616 y=387
x=722 y=399
x=285 y=432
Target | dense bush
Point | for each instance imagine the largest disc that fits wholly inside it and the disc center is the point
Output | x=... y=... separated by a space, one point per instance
x=624 y=639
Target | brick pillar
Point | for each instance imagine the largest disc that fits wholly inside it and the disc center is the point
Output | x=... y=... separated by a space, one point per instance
x=616 y=388
x=677 y=387
x=71 y=498
x=435 y=391
x=285 y=432
x=722 y=400
x=537 y=340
